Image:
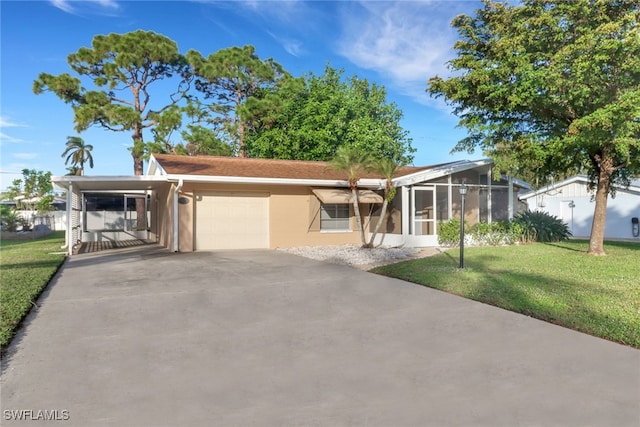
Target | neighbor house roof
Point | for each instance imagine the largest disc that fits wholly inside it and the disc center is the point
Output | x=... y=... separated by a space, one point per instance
x=634 y=186
x=167 y=164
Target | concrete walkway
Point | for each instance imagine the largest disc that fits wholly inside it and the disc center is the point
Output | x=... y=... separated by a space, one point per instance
x=145 y=337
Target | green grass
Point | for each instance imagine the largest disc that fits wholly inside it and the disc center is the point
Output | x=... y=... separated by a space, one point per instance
x=26 y=266
x=555 y=282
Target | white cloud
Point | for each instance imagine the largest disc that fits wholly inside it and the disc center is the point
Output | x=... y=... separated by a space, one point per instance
x=292 y=46
x=7 y=123
x=6 y=138
x=63 y=5
x=73 y=6
x=406 y=42
x=25 y=156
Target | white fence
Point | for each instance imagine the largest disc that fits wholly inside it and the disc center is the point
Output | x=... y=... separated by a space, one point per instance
x=55 y=220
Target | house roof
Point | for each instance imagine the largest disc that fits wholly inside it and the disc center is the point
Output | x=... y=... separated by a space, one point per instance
x=634 y=186
x=259 y=168
x=166 y=168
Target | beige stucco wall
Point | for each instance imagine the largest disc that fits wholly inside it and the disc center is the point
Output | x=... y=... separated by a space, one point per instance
x=164 y=215
x=292 y=217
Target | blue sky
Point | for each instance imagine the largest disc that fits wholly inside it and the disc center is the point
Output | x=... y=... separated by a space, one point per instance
x=397 y=44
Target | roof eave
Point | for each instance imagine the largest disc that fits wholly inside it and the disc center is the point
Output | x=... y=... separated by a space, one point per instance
x=364 y=183
x=439 y=172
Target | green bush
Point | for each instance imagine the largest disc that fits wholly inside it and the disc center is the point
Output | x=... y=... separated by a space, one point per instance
x=9 y=219
x=541 y=227
x=526 y=227
x=449 y=232
x=492 y=234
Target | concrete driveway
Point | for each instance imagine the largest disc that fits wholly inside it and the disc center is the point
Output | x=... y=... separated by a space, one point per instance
x=146 y=337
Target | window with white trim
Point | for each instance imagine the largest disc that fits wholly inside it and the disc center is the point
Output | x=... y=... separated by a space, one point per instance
x=334 y=217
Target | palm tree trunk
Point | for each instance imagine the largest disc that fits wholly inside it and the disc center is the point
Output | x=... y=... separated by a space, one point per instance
x=356 y=210
x=383 y=213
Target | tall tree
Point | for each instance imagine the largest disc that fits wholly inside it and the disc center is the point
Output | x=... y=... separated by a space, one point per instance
x=386 y=167
x=78 y=153
x=239 y=83
x=318 y=114
x=354 y=162
x=551 y=86
x=117 y=65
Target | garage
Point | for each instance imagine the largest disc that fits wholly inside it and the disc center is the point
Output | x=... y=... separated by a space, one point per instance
x=232 y=221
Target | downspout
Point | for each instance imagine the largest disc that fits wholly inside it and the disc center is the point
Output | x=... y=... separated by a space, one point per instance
x=510 y=198
x=69 y=232
x=176 y=220
x=489 y=199
x=406 y=215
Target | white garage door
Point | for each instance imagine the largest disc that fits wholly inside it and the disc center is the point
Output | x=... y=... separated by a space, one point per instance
x=232 y=221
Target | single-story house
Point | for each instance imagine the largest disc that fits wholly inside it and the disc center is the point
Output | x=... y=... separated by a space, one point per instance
x=191 y=203
x=572 y=201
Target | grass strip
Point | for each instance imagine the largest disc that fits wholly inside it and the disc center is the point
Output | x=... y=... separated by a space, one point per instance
x=557 y=282
x=26 y=268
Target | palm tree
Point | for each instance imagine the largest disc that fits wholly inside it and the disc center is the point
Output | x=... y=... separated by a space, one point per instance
x=78 y=153
x=73 y=170
x=385 y=167
x=355 y=162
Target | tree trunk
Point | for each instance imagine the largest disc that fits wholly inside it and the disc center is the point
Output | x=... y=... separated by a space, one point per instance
x=383 y=213
x=596 y=241
x=242 y=151
x=137 y=153
x=356 y=210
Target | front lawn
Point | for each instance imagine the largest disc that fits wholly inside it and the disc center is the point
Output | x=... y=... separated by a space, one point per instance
x=556 y=282
x=25 y=269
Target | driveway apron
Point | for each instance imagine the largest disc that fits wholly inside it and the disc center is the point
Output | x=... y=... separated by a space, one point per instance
x=147 y=337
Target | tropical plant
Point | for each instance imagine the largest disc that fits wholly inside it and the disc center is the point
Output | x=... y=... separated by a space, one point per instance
x=73 y=171
x=385 y=167
x=9 y=218
x=354 y=162
x=78 y=153
x=542 y=227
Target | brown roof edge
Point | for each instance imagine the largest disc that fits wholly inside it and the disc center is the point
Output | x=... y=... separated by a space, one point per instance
x=260 y=168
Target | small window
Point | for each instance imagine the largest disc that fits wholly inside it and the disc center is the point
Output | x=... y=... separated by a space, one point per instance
x=334 y=217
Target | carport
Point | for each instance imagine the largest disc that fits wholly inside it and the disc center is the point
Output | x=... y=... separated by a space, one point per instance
x=111 y=211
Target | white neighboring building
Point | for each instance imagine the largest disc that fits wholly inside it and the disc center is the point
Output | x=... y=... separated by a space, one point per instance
x=571 y=201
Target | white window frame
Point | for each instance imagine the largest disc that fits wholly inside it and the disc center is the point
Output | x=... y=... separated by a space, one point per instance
x=337 y=208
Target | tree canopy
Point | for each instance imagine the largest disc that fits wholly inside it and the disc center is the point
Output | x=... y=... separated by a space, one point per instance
x=230 y=102
x=34 y=191
x=318 y=114
x=236 y=85
x=122 y=68
x=551 y=88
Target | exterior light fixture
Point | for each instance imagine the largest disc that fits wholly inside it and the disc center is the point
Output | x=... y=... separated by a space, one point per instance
x=463 y=193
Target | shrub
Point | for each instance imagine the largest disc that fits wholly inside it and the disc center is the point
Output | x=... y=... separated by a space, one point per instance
x=449 y=232
x=492 y=234
x=10 y=219
x=541 y=227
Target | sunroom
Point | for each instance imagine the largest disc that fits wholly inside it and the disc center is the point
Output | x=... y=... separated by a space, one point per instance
x=426 y=198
